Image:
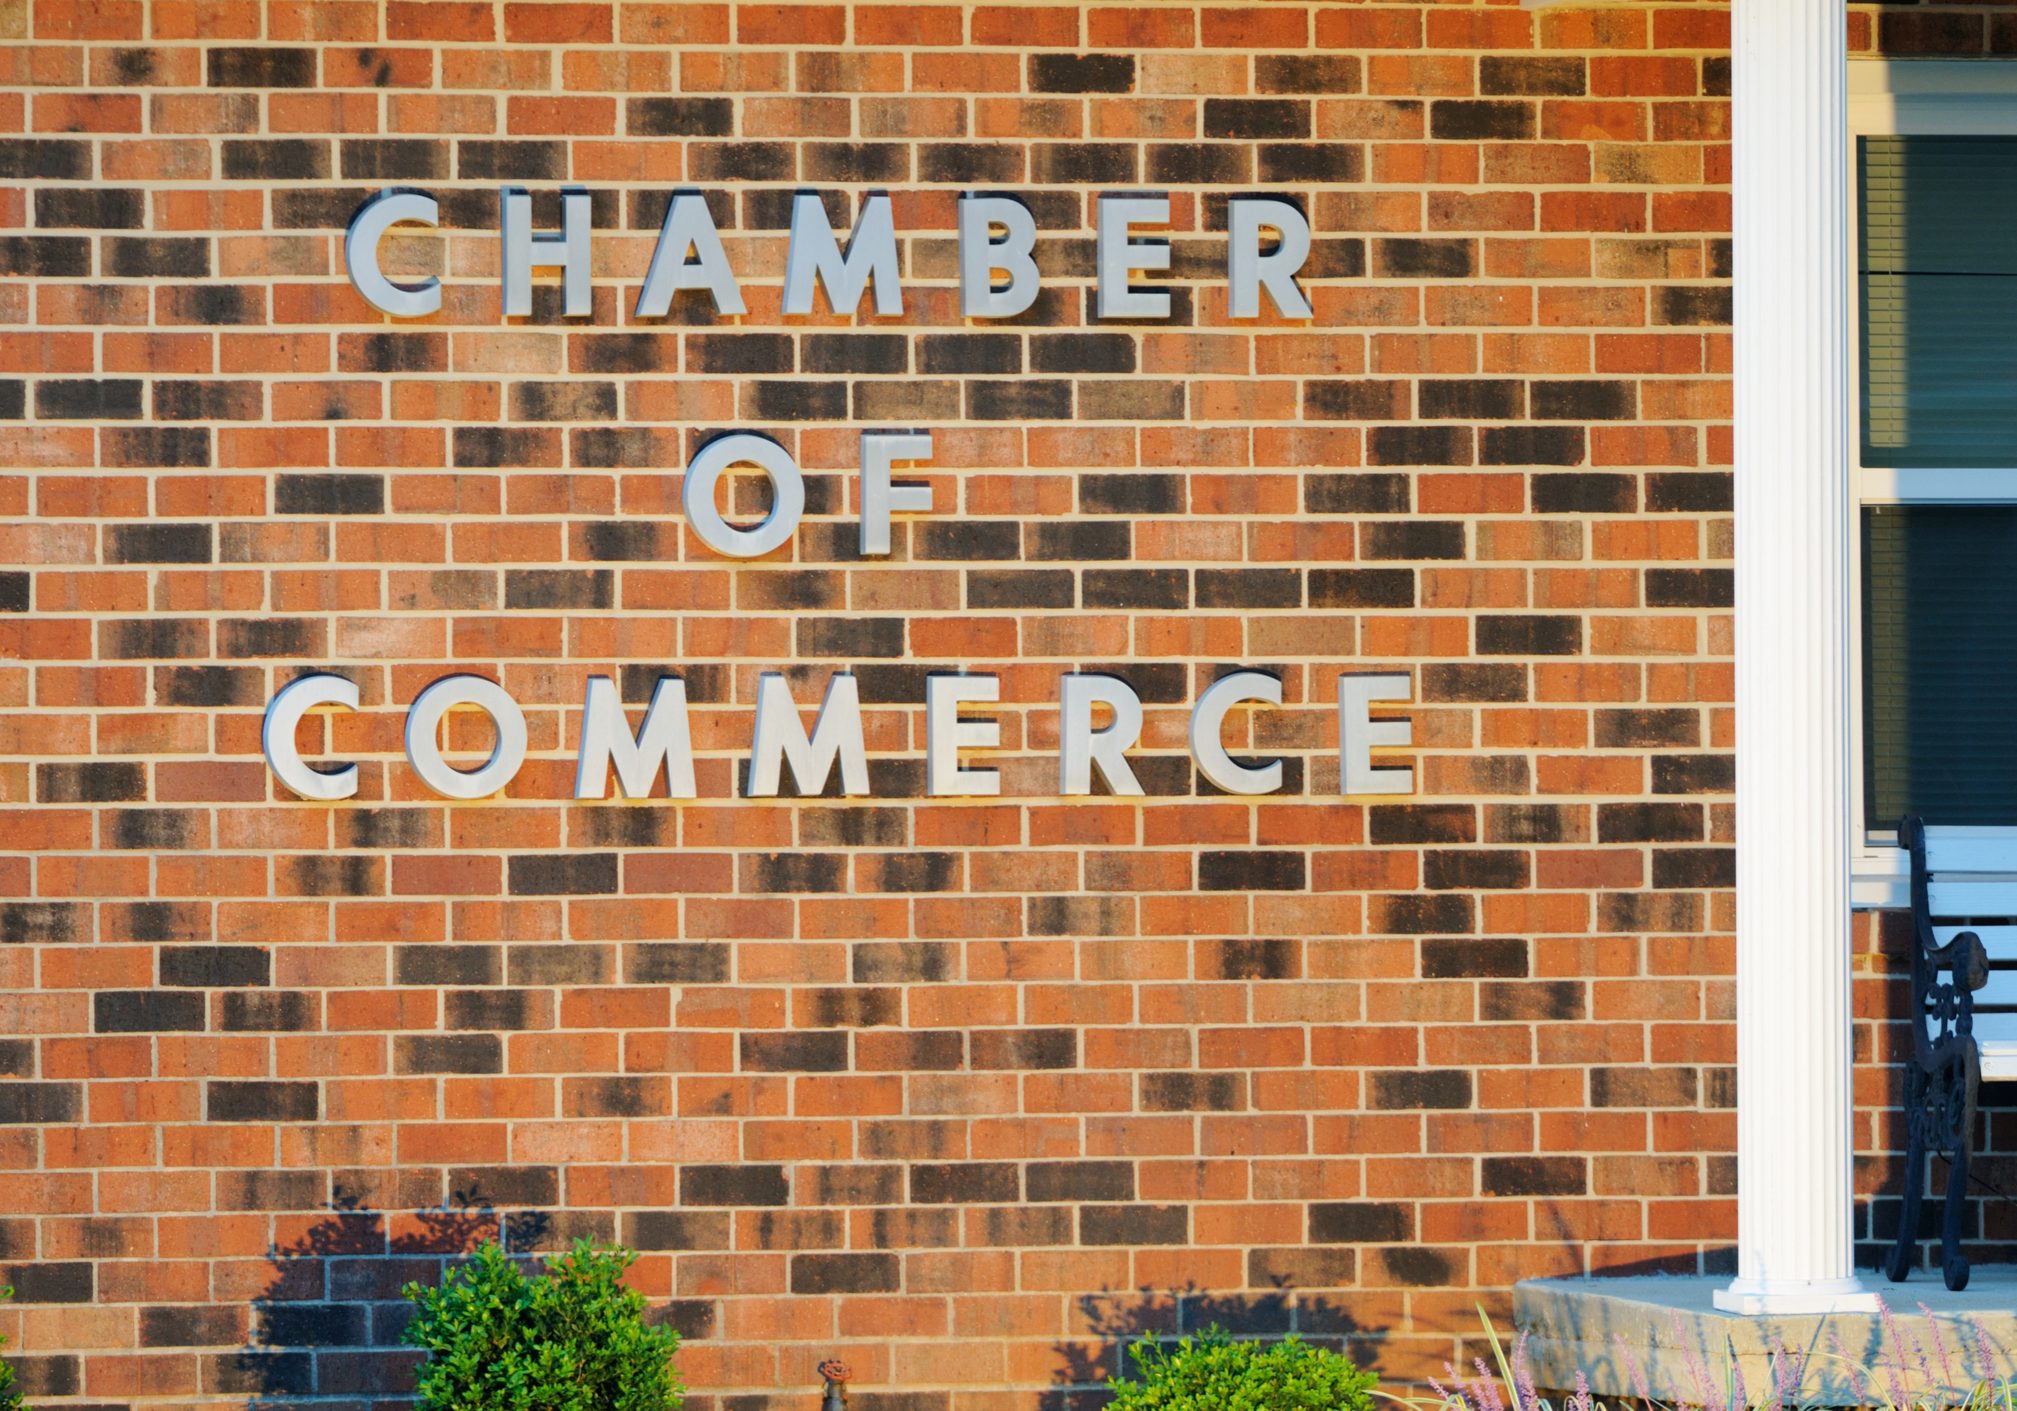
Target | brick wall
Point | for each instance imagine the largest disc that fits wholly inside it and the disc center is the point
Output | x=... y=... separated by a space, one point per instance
x=964 y=1091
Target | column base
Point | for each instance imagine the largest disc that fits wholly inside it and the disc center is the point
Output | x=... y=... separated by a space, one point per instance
x=1756 y=1297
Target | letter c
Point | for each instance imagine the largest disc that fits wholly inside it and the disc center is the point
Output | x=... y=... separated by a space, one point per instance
x=1207 y=725
x=276 y=736
x=360 y=254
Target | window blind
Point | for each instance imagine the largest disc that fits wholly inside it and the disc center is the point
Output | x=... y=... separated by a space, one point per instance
x=1940 y=664
x=1938 y=288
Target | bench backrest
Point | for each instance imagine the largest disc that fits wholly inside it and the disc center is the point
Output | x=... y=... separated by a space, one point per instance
x=1971 y=885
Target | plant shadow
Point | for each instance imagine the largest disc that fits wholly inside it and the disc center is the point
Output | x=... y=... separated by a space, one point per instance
x=1113 y=1322
x=326 y=1329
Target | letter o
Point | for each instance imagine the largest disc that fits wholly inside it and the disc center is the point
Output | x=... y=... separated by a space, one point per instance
x=787 y=490
x=423 y=743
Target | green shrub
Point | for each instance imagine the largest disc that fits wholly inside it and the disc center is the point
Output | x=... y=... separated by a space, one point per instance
x=1214 y=1373
x=571 y=1339
x=10 y=1399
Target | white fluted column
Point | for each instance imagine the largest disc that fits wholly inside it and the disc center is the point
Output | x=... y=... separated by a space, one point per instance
x=1792 y=642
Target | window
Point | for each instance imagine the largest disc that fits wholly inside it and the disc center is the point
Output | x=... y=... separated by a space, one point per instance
x=1939 y=664
x=1935 y=246
x=1937 y=261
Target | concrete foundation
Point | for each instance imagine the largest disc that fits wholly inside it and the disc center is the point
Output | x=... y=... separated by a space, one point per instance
x=1685 y=1349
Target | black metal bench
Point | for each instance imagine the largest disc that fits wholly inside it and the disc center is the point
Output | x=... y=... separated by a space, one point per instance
x=1964 y=895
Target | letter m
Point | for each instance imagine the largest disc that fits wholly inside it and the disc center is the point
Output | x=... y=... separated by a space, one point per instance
x=813 y=253
x=664 y=738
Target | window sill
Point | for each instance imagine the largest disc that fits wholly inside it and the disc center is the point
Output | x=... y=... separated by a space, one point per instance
x=1880 y=879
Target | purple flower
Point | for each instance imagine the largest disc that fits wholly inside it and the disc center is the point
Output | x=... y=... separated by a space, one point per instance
x=1939 y=1348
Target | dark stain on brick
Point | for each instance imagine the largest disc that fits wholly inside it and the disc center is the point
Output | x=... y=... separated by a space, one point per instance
x=564 y=874
x=1425 y=1090
x=1694 y=774
x=1250 y=958
x=1534 y=1175
x=1480 y=120
x=215 y=967
x=447 y=1053
x=1193 y=1092
x=1251 y=870
x=257 y=1101
x=89 y=399
x=261 y=68
x=803 y=1052
x=1081 y=73
x=1136 y=1225
x=844 y=1273
x=276 y=159
x=1554 y=634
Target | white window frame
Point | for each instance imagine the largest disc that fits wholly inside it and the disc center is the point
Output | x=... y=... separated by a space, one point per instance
x=1908 y=98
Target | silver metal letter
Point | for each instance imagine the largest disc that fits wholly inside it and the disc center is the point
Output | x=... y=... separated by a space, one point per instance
x=879 y=498
x=276 y=736
x=524 y=252
x=1080 y=747
x=813 y=253
x=688 y=224
x=360 y=254
x=1118 y=256
x=787 y=488
x=945 y=735
x=1358 y=732
x=1248 y=270
x=781 y=738
x=423 y=737
x=980 y=256
x=664 y=738
x=1208 y=721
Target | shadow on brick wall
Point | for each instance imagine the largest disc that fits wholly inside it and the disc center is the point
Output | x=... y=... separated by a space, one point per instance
x=327 y=1325
x=1112 y=1322
x=1715 y=1260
